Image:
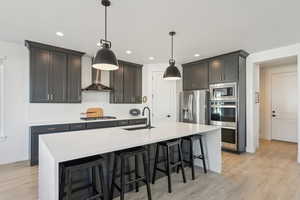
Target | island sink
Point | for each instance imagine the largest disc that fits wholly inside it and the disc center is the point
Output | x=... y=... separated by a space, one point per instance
x=138 y=128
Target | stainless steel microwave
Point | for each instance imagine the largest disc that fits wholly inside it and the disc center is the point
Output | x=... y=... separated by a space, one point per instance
x=223 y=91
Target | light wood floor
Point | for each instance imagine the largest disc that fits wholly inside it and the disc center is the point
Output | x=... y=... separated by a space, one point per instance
x=271 y=174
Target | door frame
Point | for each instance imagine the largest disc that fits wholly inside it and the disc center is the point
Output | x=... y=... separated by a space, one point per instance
x=252 y=80
x=272 y=74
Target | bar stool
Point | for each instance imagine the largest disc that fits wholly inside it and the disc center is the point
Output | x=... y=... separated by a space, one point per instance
x=169 y=165
x=94 y=166
x=124 y=156
x=192 y=156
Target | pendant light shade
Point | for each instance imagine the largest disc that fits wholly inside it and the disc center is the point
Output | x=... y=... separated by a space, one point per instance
x=172 y=72
x=105 y=58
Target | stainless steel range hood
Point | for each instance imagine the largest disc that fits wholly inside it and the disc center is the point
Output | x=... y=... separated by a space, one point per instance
x=97 y=85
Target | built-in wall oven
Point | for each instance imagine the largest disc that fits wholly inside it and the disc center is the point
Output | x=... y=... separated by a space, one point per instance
x=224 y=112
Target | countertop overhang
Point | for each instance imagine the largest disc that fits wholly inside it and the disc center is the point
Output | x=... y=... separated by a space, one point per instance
x=78 y=144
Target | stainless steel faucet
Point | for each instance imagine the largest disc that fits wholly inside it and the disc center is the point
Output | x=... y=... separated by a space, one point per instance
x=149 y=116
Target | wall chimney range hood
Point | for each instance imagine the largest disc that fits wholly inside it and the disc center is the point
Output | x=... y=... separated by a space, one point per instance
x=96 y=83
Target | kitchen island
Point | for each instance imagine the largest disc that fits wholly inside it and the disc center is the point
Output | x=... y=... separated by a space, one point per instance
x=57 y=148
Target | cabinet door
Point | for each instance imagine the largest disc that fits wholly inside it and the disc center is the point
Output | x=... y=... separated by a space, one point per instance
x=58 y=77
x=116 y=82
x=74 y=79
x=39 y=75
x=195 y=76
x=231 y=68
x=132 y=84
x=187 y=77
x=139 y=85
x=216 y=70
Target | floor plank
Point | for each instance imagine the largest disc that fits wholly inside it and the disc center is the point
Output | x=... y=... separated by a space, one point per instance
x=270 y=174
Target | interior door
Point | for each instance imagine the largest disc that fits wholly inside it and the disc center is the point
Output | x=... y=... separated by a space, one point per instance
x=163 y=98
x=284 y=106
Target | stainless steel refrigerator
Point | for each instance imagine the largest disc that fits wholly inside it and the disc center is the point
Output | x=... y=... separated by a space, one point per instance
x=194 y=106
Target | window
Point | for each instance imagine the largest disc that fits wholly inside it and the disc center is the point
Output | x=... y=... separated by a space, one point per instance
x=2 y=136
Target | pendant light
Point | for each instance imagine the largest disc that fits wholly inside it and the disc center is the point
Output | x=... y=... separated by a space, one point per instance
x=172 y=72
x=105 y=58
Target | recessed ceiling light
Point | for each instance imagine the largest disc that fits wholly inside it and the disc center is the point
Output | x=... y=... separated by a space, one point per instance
x=128 y=52
x=60 y=34
x=151 y=58
x=197 y=55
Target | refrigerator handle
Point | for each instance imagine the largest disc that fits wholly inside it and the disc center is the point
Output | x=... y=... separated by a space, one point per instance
x=190 y=107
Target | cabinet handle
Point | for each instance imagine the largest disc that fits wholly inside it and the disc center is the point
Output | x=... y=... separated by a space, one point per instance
x=51 y=129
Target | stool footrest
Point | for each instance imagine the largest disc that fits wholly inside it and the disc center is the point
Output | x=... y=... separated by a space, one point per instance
x=96 y=196
x=136 y=180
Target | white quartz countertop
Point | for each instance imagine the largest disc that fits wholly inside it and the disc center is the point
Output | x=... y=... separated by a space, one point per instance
x=71 y=121
x=72 y=145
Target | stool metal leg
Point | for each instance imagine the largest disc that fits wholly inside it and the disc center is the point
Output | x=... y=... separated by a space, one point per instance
x=103 y=184
x=202 y=153
x=69 y=185
x=122 y=178
x=182 y=163
x=94 y=181
x=155 y=164
x=146 y=172
x=112 y=188
x=136 y=160
x=62 y=183
x=192 y=158
x=169 y=170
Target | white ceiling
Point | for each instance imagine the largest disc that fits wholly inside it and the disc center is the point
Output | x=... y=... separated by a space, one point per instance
x=206 y=27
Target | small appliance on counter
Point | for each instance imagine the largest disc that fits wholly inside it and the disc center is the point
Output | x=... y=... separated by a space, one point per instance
x=95 y=114
x=135 y=112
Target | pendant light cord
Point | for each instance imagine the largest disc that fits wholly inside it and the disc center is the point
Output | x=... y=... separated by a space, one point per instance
x=172 y=47
x=105 y=23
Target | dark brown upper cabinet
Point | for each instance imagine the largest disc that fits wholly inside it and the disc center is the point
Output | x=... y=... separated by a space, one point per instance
x=55 y=74
x=195 y=75
x=74 y=78
x=224 y=69
x=126 y=83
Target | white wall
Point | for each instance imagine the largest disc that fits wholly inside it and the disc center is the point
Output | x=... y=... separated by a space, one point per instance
x=16 y=95
x=58 y=112
x=265 y=94
x=19 y=113
x=253 y=61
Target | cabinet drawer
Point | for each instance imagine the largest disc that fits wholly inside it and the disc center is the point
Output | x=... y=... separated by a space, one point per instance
x=77 y=126
x=137 y=121
x=92 y=125
x=50 y=128
x=123 y=123
x=229 y=135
